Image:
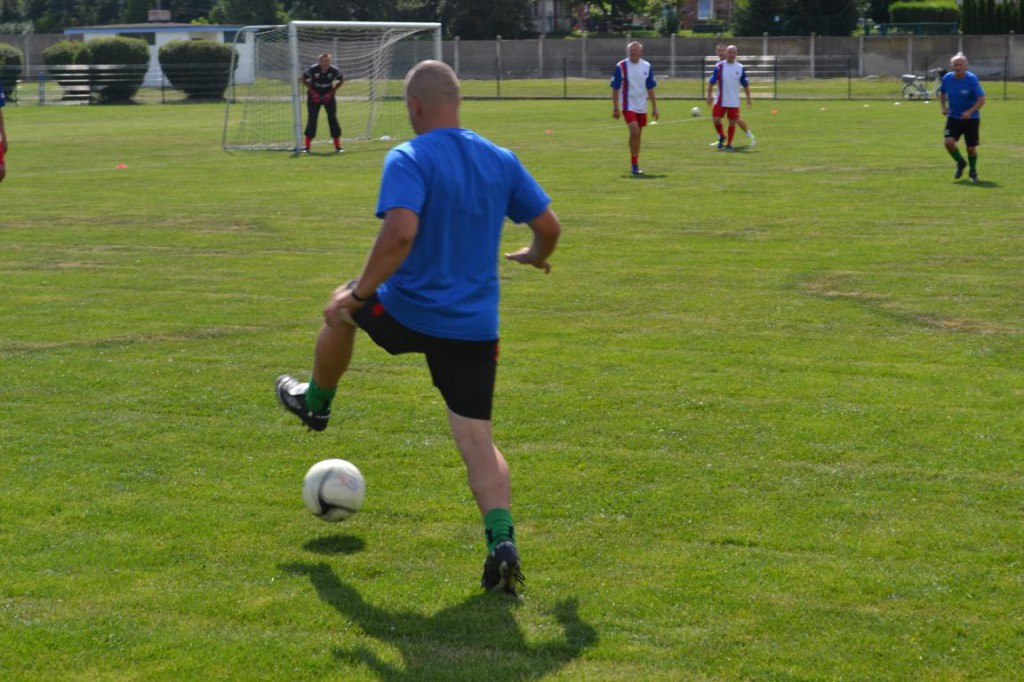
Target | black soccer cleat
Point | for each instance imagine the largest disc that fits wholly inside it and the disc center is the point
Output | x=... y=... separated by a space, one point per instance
x=960 y=165
x=973 y=175
x=501 y=569
x=291 y=393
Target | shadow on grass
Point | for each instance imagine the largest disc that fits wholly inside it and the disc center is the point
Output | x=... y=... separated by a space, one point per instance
x=645 y=176
x=987 y=184
x=335 y=544
x=477 y=639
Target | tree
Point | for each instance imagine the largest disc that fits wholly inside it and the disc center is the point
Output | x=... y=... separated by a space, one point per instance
x=759 y=16
x=796 y=17
x=53 y=16
x=11 y=11
x=245 y=12
x=878 y=10
x=616 y=14
x=417 y=10
x=967 y=16
x=189 y=10
x=136 y=11
x=342 y=10
x=823 y=17
x=485 y=19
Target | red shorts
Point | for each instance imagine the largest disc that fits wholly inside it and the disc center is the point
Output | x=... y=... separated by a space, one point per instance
x=630 y=116
x=732 y=113
x=1 y=153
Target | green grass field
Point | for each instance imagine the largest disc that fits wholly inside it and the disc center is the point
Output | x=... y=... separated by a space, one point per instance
x=764 y=416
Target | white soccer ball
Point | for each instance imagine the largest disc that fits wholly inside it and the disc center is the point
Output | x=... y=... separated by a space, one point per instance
x=695 y=112
x=333 y=489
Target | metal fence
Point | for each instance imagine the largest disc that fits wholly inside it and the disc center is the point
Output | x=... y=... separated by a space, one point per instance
x=515 y=72
x=771 y=77
x=94 y=84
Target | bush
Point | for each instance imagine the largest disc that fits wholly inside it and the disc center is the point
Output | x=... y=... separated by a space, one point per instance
x=59 y=56
x=199 y=68
x=123 y=62
x=937 y=11
x=62 y=53
x=11 y=60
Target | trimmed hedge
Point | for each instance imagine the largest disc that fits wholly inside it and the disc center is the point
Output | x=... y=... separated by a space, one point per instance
x=129 y=55
x=936 y=11
x=62 y=53
x=199 y=68
x=11 y=61
x=119 y=66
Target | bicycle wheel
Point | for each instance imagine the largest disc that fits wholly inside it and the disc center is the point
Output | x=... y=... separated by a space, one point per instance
x=911 y=91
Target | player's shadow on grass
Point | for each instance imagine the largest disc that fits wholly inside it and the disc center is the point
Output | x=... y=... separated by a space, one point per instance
x=645 y=176
x=986 y=184
x=478 y=638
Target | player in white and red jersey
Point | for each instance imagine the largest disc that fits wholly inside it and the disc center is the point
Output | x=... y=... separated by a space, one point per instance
x=720 y=53
x=730 y=77
x=632 y=85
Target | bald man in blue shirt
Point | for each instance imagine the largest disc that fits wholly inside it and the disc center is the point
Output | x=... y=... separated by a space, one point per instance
x=430 y=286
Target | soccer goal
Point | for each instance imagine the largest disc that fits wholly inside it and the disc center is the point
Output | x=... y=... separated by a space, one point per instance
x=266 y=101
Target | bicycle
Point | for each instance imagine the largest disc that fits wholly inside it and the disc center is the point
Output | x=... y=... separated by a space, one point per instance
x=916 y=87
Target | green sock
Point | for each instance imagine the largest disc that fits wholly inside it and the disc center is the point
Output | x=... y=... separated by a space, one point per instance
x=956 y=155
x=498 y=527
x=973 y=160
x=319 y=399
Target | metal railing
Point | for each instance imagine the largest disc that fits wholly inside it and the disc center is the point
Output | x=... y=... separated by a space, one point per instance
x=113 y=83
x=684 y=77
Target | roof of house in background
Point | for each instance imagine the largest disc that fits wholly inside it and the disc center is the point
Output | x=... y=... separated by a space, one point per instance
x=149 y=27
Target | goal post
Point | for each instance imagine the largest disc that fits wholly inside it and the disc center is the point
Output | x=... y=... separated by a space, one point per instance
x=264 y=107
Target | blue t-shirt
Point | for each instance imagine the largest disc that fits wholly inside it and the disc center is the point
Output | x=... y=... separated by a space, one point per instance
x=961 y=93
x=3 y=98
x=462 y=187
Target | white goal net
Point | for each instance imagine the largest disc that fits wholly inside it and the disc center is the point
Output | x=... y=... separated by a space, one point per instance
x=266 y=102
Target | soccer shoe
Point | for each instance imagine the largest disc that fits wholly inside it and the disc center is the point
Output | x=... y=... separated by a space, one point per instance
x=636 y=171
x=960 y=166
x=753 y=140
x=339 y=150
x=305 y=150
x=973 y=175
x=729 y=148
x=291 y=393
x=501 y=569
x=721 y=144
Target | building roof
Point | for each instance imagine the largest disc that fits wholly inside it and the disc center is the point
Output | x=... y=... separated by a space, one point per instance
x=152 y=26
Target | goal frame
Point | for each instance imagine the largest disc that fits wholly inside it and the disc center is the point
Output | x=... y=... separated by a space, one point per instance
x=296 y=68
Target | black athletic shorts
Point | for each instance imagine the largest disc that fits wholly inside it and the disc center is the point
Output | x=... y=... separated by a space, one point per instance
x=955 y=127
x=463 y=371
